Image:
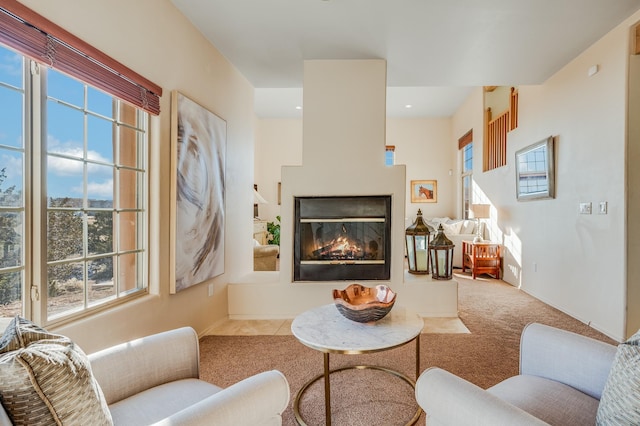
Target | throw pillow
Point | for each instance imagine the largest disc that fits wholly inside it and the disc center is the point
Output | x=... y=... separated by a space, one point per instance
x=452 y=228
x=19 y=333
x=48 y=380
x=620 y=401
x=468 y=227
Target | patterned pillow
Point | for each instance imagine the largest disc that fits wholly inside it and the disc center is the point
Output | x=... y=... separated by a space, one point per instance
x=19 y=333
x=620 y=402
x=48 y=380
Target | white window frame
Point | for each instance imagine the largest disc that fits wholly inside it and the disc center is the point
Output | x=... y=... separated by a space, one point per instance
x=34 y=244
x=467 y=175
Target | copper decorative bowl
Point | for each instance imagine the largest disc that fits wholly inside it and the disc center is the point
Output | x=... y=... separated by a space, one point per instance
x=364 y=304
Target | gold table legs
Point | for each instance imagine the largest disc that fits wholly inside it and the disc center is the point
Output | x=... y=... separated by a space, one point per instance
x=327 y=385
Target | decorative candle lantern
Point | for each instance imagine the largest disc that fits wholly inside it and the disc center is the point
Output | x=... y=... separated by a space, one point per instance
x=417 y=237
x=441 y=254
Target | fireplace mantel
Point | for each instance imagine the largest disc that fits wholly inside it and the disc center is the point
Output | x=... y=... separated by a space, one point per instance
x=344 y=125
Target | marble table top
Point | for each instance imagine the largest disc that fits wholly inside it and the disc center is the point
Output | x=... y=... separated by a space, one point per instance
x=325 y=329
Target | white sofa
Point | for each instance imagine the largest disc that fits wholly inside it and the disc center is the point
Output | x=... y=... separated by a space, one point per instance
x=561 y=380
x=155 y=380
x=457 y=230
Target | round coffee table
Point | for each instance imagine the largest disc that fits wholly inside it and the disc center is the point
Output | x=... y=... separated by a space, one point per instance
x=326 y=330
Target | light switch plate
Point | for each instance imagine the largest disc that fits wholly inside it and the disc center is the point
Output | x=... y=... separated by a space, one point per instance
x=602 y=207
x=585 y=208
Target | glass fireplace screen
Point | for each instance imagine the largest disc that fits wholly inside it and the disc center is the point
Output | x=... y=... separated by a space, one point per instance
x=342 y=238
x=342 y=241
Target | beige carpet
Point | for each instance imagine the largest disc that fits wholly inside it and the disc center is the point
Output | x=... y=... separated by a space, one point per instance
x=494 y=312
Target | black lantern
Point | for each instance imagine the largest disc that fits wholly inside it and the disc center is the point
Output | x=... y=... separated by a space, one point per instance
x=441 y=254
x=417 y=237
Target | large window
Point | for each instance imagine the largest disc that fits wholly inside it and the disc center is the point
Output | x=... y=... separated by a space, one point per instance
x=466 y=151
x=12 y=183
x=73 y=193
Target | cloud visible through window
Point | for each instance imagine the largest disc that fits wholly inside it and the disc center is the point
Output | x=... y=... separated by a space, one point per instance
x=60 y=168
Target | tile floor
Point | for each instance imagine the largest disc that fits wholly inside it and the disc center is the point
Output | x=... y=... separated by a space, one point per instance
x=229 y=327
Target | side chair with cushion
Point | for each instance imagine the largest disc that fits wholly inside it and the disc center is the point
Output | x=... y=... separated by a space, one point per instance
x=565 y=379
x=151 y=380
x=265 y=257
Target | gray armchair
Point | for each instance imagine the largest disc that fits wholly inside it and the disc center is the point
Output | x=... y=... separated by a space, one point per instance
x=562 y=376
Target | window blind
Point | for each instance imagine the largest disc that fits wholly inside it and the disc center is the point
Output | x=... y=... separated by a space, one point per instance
x=466 y=139
x=43 y=41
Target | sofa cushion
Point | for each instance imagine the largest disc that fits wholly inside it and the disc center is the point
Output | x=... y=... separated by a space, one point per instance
x=47 y=379
x=620 y=401
x=548 y=400
x=468 y=227
x=160 y=402
x=452 y=228
x=434 y=222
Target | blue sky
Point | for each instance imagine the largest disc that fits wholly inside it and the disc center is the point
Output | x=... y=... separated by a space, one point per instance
x=65 y=132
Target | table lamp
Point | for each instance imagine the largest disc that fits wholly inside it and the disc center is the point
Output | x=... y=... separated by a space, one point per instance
x=257 y=199
x=480 y=211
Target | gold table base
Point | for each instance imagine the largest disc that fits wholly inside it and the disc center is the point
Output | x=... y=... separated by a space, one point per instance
x=327 y=385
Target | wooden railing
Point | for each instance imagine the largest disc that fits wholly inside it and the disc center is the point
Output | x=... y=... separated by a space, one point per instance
x=495 y=154
x=497 y=129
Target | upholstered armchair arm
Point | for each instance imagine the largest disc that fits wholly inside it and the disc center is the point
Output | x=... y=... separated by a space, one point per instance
x=266 y=250
x=257 y=400
x=4 y=418
x=141 y=364
x=450 y=400
x=578 y=361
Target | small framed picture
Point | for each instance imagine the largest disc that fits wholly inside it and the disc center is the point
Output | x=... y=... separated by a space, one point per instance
x=424 y=191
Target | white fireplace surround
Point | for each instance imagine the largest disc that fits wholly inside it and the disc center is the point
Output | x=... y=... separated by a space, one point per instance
x=343 y=155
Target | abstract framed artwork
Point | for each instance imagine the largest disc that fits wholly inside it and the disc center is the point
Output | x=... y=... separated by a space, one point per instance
x=198 y=157
x=424 y=191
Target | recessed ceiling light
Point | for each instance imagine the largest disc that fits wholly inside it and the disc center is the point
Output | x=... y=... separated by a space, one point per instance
x=408 y=106
x=298 y=107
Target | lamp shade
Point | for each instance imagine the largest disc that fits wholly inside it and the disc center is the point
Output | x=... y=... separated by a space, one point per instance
x=481 y=211
x=258 y=199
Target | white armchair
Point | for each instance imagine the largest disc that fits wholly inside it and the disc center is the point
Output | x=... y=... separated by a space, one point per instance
x=154 y=380
x=562 y=376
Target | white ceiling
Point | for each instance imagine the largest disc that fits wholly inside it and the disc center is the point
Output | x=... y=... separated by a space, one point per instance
x=436 y=50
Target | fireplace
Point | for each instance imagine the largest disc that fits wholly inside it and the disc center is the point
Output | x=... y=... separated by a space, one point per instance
x=342 y=238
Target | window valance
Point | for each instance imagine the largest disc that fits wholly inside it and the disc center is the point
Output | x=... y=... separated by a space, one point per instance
x=43 y=41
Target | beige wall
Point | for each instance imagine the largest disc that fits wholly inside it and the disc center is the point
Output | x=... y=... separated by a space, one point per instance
x=342 y=155
x=156 y=41
x=498 y=100
x=572 y=261
x=633 y=197
x=278 y=143
x=422 y=144
x=580 y=266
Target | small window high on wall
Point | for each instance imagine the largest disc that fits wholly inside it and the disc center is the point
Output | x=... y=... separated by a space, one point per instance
x=390 y=155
